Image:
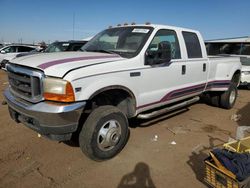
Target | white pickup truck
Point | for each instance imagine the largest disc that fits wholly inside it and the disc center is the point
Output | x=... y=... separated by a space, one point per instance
x=123 y=72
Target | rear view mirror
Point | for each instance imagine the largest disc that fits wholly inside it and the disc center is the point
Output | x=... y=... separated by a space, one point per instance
x=3 y=52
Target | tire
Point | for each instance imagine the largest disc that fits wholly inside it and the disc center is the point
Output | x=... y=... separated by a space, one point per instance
x=104 y=133
x=212 y=99
x=228 y=98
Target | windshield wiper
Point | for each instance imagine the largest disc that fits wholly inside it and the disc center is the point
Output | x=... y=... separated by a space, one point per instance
x=106 y=51
x=103 y=51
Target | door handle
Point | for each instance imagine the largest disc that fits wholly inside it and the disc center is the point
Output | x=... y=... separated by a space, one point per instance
x=183 y=69
x=204 y=67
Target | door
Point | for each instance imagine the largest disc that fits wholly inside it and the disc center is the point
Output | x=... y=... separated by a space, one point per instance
x=196 y=63
x=165 y=82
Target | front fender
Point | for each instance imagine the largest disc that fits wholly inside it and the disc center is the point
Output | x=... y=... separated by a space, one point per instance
x=90 y=86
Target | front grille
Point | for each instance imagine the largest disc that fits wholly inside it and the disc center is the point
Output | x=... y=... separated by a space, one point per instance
x=25 y=83
x=20 y=83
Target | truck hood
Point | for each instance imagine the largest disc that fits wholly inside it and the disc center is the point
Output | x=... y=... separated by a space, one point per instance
x=59 y=63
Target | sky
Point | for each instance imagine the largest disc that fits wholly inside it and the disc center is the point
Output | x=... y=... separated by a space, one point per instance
x=32 y=21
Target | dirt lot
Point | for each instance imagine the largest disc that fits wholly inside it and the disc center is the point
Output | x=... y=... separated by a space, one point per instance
x=148 y=158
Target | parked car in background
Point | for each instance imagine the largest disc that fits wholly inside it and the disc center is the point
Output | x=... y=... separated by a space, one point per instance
x=239 y=47
x=62 y=46
x=15 y=55
x=15 y=49
x=58 y=46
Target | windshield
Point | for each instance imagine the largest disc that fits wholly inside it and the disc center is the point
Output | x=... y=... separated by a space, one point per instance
x=125 y=41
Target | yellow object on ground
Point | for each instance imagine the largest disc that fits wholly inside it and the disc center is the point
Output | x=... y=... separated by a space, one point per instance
x=218 y=178
x=240 y=146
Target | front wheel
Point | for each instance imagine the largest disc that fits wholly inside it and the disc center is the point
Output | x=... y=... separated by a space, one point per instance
x=104 y=133
x=229 y=97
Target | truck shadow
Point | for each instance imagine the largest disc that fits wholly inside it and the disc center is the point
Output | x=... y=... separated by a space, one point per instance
x=196 y=159
x=74 y=141
x=243 y=87
x=139 y=178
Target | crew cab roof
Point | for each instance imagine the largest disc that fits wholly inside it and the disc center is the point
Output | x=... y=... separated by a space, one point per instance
x=158 y=26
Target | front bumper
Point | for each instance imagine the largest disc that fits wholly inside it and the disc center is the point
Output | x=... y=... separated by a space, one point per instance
x=56 y=121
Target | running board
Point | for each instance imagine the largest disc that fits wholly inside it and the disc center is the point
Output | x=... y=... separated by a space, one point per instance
x=168 y=109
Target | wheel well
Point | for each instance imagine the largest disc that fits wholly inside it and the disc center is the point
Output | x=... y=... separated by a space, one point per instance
x=122 y=99
x=236 y=78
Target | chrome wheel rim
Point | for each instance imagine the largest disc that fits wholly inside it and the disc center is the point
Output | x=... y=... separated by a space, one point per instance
x=232 y=97
x=109 y=135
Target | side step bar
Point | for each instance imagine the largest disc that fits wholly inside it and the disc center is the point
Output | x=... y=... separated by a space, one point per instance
x=168 y=109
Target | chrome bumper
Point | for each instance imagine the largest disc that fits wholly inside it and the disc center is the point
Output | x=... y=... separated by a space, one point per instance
x=55 y=120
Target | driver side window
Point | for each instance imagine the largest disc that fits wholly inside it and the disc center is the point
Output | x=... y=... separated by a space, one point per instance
x=168 y=37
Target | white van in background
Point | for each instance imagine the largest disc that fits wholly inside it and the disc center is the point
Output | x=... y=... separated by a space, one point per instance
x=57 y=46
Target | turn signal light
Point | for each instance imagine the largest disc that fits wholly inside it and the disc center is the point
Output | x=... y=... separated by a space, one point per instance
x=58 y=90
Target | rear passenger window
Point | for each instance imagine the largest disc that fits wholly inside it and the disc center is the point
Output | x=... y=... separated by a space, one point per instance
x=192 y=44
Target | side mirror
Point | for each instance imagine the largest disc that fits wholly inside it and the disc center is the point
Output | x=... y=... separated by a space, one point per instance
x=3 y=52
x=151 y=53
x=159 y=56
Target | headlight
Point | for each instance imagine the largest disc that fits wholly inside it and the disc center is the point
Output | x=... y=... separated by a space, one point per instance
x=245 y=72
x=58 y=90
